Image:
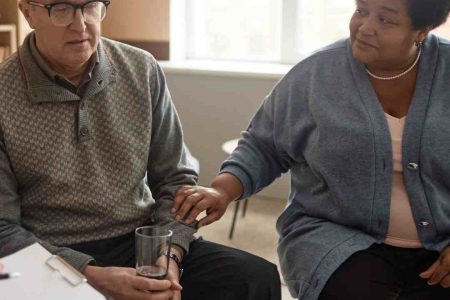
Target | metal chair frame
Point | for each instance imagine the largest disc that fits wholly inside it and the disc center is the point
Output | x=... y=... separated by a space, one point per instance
x=236 y=211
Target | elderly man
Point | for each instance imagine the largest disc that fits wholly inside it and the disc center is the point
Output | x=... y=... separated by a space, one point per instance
x=91 y=147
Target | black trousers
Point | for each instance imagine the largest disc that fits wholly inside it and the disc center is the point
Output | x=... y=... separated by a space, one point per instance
x=384 y=272
x=211 y=271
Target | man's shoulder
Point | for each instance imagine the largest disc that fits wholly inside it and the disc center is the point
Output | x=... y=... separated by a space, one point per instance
x=10 y=75
x=124 y=52
x=9 y=66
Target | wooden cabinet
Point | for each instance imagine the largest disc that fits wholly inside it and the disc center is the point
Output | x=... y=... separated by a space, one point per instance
x=10 y=46
x=141 y=23
x=13 y=26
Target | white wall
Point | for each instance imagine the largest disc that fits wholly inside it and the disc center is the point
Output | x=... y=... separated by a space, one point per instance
x=215 y=108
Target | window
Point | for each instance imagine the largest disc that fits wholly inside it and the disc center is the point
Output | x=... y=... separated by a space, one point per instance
x=255 y=30
x=319 y=23
x=275 y=31
x=234 y=29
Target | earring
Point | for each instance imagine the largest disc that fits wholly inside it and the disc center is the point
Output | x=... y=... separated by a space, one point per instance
x=418 y=44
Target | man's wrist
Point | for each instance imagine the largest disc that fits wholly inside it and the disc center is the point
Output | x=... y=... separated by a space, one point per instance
x=90 y=273
x=177 y=262
x=178 y=251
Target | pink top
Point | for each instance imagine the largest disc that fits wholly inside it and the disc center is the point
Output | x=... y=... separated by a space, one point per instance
x=402 y=231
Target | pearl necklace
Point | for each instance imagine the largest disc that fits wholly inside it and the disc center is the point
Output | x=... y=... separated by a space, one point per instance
x=399 y=75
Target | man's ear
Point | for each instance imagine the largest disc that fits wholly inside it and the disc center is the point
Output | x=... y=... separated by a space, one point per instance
x=25 y=8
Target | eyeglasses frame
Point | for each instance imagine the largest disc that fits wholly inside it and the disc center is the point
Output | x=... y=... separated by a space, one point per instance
x=75 y=6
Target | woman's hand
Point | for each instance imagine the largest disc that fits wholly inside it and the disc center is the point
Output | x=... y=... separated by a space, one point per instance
x=225 y=188
x=439 y=272
x=124 y=284
x=195 y=199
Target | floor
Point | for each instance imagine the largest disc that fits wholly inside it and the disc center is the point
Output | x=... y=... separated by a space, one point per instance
x=254 y=233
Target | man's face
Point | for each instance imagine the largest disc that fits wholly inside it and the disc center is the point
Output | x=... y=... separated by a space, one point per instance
x=64 y=46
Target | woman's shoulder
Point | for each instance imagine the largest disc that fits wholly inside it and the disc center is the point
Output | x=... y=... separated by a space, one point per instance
x=443 y=42
x=327 y=60
x=332 y=52
x=332 y=49
x=439 y=47
x=434 y=42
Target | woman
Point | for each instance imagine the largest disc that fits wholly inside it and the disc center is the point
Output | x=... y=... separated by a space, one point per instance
x=363 y=125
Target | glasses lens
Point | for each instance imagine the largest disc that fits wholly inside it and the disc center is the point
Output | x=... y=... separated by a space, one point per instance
x=62 y=14
x=94 y=12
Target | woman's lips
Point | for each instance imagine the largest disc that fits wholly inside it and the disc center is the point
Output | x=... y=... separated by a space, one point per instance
x=365 y=44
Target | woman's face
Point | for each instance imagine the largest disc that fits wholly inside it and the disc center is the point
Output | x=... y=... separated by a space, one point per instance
x=382 y=35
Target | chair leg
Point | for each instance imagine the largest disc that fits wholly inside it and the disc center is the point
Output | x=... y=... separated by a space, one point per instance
x=245 y=207
x=233 y=223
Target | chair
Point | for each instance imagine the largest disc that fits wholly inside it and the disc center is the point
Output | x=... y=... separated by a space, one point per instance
x=228 y=147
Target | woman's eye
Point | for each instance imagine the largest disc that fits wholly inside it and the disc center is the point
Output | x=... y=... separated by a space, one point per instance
x=386 y=21
x=360 y=11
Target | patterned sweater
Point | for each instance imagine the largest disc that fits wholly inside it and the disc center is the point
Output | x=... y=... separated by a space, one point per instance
x=76 y=169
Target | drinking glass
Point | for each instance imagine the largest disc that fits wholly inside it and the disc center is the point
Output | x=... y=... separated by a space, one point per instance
x=153 y=245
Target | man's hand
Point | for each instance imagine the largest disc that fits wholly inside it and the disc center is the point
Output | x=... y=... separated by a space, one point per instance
x=439 y=272
x=124 y=284
x=197 y=199
x=173 y=273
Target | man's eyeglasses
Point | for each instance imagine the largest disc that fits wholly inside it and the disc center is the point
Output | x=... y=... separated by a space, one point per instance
x=63 y=13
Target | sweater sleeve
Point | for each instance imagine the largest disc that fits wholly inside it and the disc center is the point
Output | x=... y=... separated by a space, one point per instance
x=13 y=236
x=170 y=164
x=259 y=159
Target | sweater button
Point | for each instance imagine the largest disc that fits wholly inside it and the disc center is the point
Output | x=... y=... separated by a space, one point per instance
x=413 y=166
x=423 y=223
x=84 y=131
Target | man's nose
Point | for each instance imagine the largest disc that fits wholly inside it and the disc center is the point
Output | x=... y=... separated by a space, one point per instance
x=79 y=22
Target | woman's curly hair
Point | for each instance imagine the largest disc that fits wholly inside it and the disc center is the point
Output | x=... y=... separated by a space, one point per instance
x=428 y=13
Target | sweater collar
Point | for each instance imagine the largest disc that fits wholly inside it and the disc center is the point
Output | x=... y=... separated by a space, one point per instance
x=44 y=66
x=425 y=77
x=41 y=88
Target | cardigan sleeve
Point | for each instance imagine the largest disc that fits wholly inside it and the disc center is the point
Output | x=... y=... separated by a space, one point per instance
x=259 y=160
